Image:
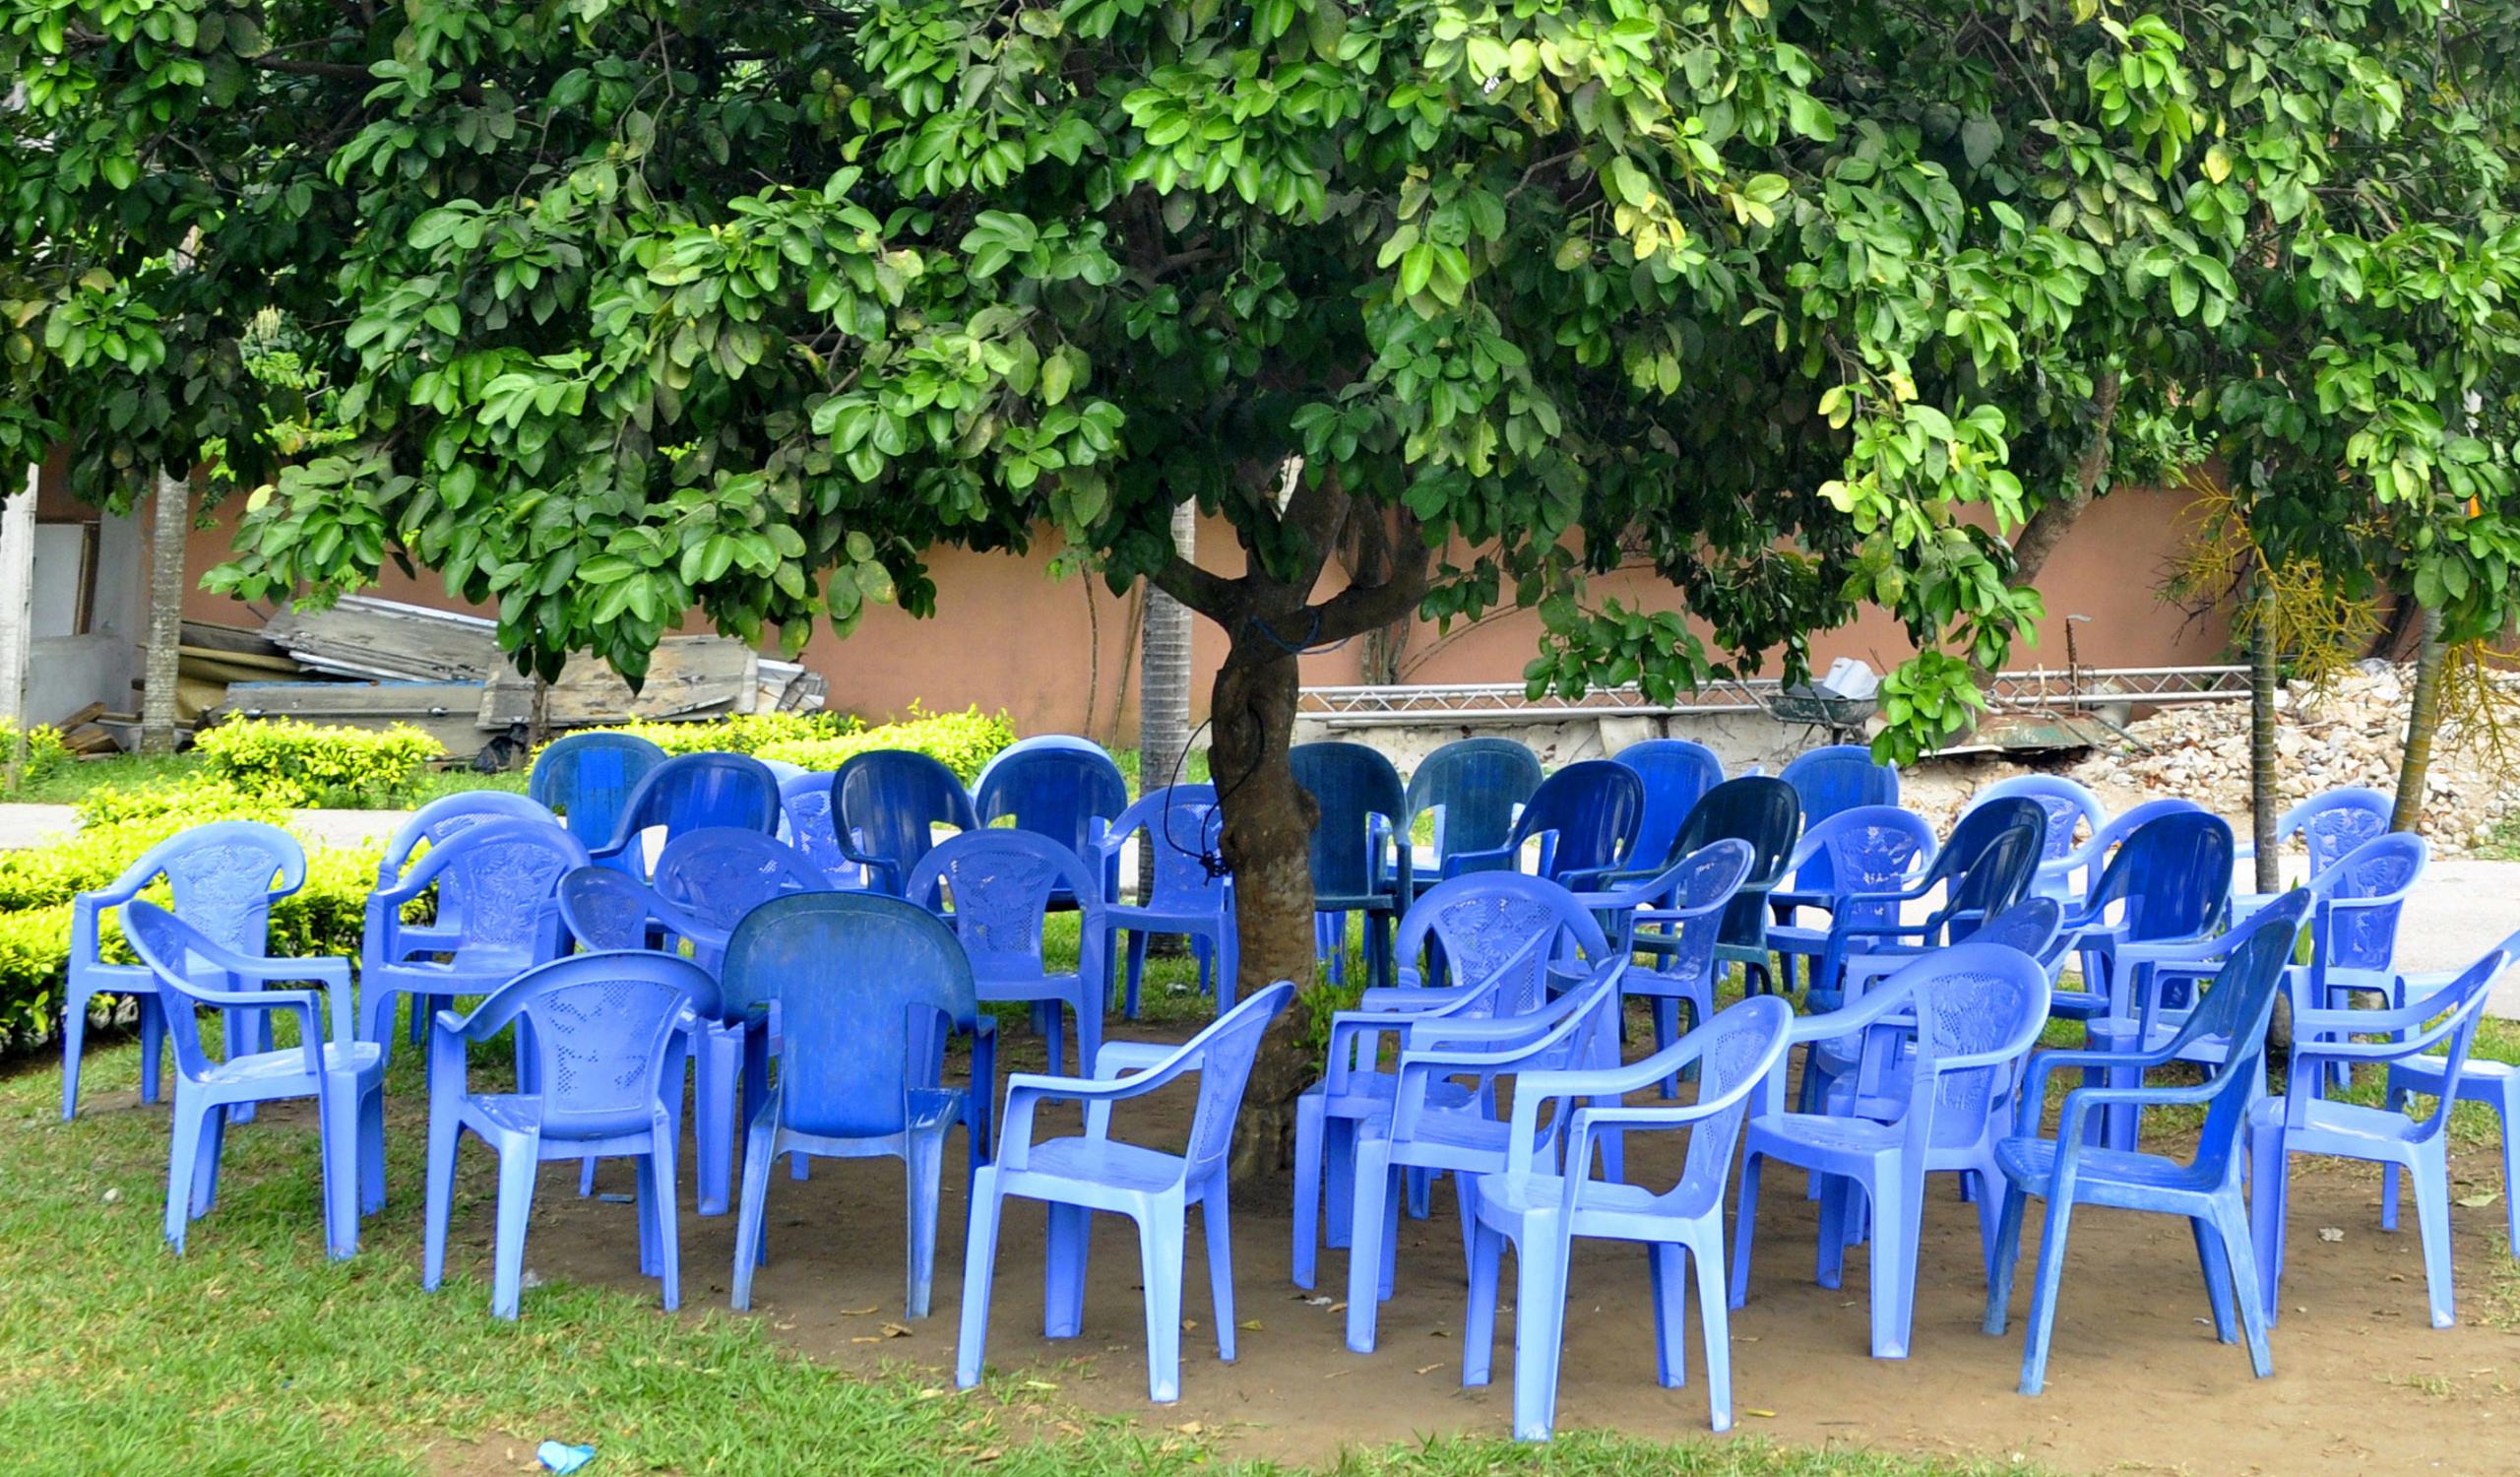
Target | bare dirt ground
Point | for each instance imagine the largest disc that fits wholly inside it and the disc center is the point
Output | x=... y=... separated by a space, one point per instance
x=2137 y=1383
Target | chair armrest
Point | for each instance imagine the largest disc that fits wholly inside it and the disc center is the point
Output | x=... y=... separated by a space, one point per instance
x=1117 y=1056
x=1487 y=859
x=2080 y=1102
x=1422 y=1000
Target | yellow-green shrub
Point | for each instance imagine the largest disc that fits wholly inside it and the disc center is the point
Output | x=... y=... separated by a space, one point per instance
x=964 y=742
x=312 y=764
x=742 y=734
x=44 y=751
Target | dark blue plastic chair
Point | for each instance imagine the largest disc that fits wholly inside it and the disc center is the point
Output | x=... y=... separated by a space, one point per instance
x=886 y=805
x=869 y=988
x=996 y=887
x=1080 y=1174
x=2306 y=1122
x=2065 y=1171
x=2081 y=870
x=806 y=823
x=1584 y=818
x=603 y=1037
x=1973 y=1011
x=2165 y=886
x=684 y=794
x=498 y=877
x=2075 y=815
x=1471 y=790
x=1866 y=853
x=585 y=778
x=1542 y=1210
x=224 y=878
x=1676 y=772
x=1360 y=861
x=1756 y=810
x=1839 y=777
x=1057 y=786
x=1182 y=827
x=346 y=1077
x=602 y=910
x=1989 y=863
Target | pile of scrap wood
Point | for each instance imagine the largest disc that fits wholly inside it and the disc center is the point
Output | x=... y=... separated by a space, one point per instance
x=378 y=662
x=90 y=730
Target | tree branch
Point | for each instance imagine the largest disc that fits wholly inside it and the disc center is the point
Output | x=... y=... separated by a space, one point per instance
x=2046 y=528
x=1364 y=606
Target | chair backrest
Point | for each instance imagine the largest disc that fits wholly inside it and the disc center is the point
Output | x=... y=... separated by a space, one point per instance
x=2237 y=1006
x=868 y=987
x=996 y=887
x=1869 y=849
x=690 y=790
x=806 y=823
x=720 y=873
x=2464 y=1000
x=585 y=778
x=2173 y=874
x=1839 y=777
x=1737 y=1050
x=891 y=801
x=1761 y=810
x=1675 y=773
x=603 y=908
x=1705 y=885
x=2032 y=926
x=2332 y=825
x=1977 y=998
x=1350 y=784
x=169 y=947
x=1485 y=920
x=1055 y=786
x=224 y=878
x=1478 y=783
x=1594 y=805
x=603 y=1025
x=2074 y=814
x=495 y=876
x=1182 y=826
x=1992 y=857
x=2366 y=937
x=449 y=813
x=1225 y=1049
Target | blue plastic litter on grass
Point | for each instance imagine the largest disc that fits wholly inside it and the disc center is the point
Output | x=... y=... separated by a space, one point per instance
x=560 y=1456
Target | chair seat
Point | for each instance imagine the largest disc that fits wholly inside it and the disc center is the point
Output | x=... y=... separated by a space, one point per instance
x=1459 y=1128
x=1828 y=1134
x=2476 y=1079
x=1355 y=902
x=497 y=963
x=2030 y=1163
x=1504 y=1200
x=1105 y=1163
x=365 y=1058
x=1159 y=919
x=2348 y=1128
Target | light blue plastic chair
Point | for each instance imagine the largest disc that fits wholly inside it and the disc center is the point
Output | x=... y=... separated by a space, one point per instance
x=1542 y=1211
x=498 y=879
x=2495 y=1085
x=224 y=878
x=1676 y=772
x=2065 y=1172
x=2303 y=1122
x=585 y=780
x=1471 y=790
x=2357 y=903
x=1676 y=921
x=430 y=824
x=2075 y=816
x=603 y=1038
x=2328 y=825
x=1973 y=1011
x=886 y=805
x=806 y=823
x=869 y=988
x=1360 y=862
x=687 y=792
x=1435 y=1127
x=1868 y=853
x=1079 y=1175
x=346 y=1077
x=1181 y=828
x=997 y=885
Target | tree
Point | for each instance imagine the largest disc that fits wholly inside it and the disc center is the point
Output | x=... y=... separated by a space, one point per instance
x=613 y=310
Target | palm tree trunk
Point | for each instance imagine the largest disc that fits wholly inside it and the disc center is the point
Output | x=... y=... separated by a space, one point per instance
x=168 y=529
x=2422 y=719
x=2266 y=799
x=17 y=618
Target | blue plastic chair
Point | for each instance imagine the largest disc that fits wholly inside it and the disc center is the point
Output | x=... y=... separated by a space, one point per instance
x=1681 y=935
x=1675 y=773
x=1583 y=817
x=1471 y=789
x=868 y=987
x=600 y=911
x=1541 y=1212
x=1080 y=1174
x=1873 y=850
x=1499 y=931
x=2075 y=815
x=1838 y=777
x=1974 y=1011
x=2495 y=1085
x=1182 y=827
x=1758 y=809
x=2329 y=825
x=2165 y=886
x=345 y=1077
x=1435 y=1127
x=224 y=878
x=430 y=824
x=602 y=1039
x=585 y=778
x=1057 y=786
x=806 y=823
x=2357 y=903
x=684 y=794
x=2067 y=1172
x=2303 y=1122
x=498 y=877
x=886 y=804
x=1356 y=867
x=2081 y=870
x=1987 y=865
x=998 y=885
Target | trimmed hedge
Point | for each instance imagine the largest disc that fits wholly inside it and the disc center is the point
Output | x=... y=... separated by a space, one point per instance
x=964 y=742
x=742 y=734
x=313 y=764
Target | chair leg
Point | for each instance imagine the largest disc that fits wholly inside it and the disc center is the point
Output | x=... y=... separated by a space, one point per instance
x=979 y=1266
x=2005 y=1257
x=924 y=1161
x=152 y=1045
x=1540 y=1325
x=336 y=1140
x=1215 y=1217
x=1897 y=1220
x=2218 y=1278
x=517 y=1164
x=438 y=1201
x=1338 y=1182
x=1990 y=1206
x=1365 y=1248
x=1745 y=1221
x=2231 y=1220
x=2042 y=1291
x=2507 y=1113
x=717 y=1067
x=1136 y=972
x=1667 y=1029
x=1159 y=1245
x=371 y=1151
x=182 y=1158
x=1829 y=1265
x=2269 y=1203
x=1667 y=1277
x=761 y=1154
x=657 y=1203
x=1310 y=1125
x=2432 y=1179
x=74 y=1043
x=1066 y=1250
x=1715 y=1323
x=1228 y=957
x=1479 y=1320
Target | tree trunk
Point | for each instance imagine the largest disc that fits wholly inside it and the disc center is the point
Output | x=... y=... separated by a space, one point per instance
x=2049 y=526
x=2422 y=717
x=2264 y=799
x=1268 y=842
x=17 y=618
x=171 y=526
